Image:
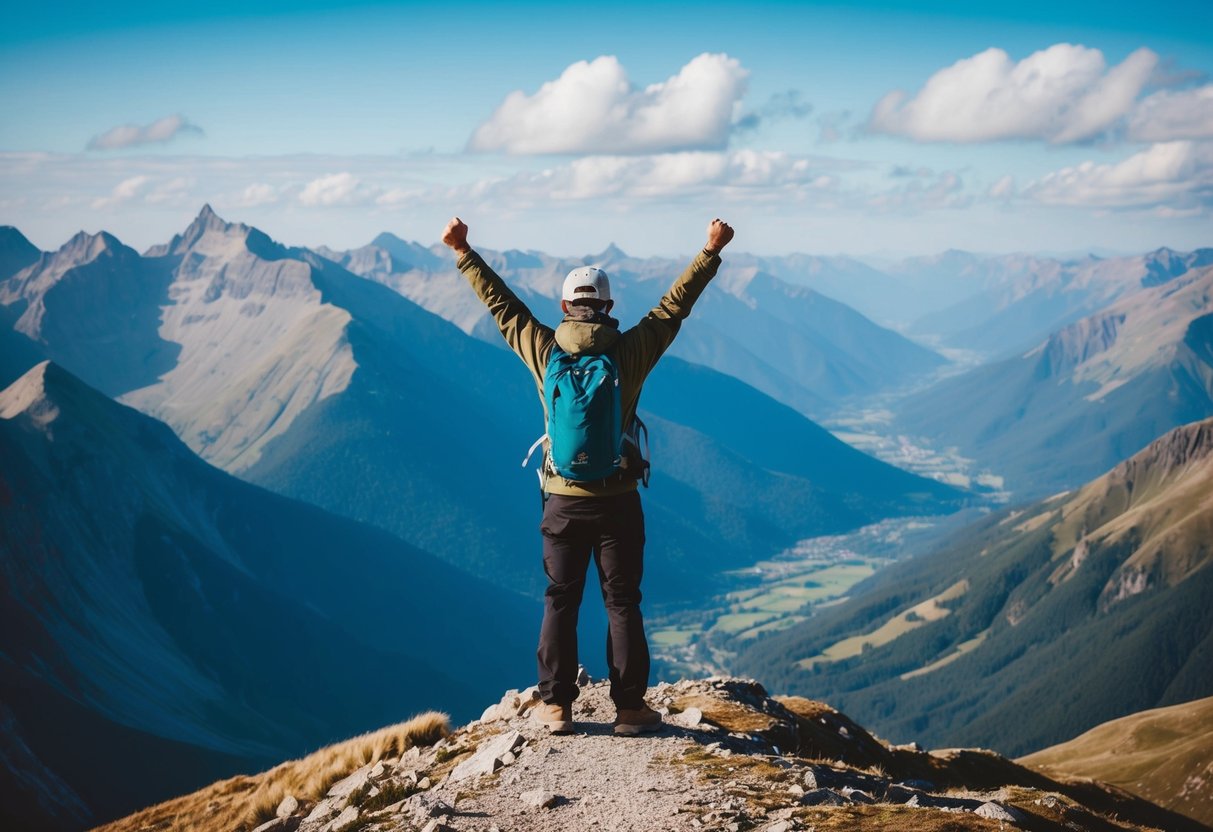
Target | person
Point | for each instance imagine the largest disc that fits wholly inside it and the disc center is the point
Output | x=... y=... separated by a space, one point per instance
x=603 y=518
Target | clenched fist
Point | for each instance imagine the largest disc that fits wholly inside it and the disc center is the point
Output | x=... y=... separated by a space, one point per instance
x=455 y=235
x=719 y=234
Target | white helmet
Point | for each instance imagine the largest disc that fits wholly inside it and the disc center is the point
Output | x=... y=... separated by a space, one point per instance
x=587 y=282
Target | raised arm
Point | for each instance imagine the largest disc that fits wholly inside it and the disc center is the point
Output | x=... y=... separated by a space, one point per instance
x=656 y=331
x=526 y=336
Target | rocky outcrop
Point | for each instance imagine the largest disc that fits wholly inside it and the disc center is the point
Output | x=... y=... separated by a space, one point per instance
x=729 y=758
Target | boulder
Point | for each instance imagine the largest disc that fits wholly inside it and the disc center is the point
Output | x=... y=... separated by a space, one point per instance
x=489 y=757
x=350 y=784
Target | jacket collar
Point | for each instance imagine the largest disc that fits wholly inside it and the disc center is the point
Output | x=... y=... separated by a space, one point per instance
x=584 y=330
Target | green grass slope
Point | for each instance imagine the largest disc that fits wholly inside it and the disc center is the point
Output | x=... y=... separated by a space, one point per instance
x=1164 y=754
x=1041 y=622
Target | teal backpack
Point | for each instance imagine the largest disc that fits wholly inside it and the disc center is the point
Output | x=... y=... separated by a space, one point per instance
x=585 y=437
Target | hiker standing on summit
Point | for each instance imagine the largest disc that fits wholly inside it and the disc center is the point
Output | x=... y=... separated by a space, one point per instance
x=591 y=502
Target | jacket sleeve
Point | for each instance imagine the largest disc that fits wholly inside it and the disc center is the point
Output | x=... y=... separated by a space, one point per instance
x=650 y=338
x=531 y=340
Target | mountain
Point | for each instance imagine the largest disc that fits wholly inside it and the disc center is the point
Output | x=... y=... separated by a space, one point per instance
x=1004 y=305
x=1035 y=624
x=787 y=340
x=16 y=252
x=93 y=303
x=1162 y=755
x=731 y=757
x=1095 y=392
x=163 y=623
x=866 y=289
x=318 y=384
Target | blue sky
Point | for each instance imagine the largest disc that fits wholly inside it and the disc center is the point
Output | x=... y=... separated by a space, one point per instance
x=563 y=129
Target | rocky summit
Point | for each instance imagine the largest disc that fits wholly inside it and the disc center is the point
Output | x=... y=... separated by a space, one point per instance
x=730 y=757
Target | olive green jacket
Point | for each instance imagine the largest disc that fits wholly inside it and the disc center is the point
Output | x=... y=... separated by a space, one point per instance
x=635 y=350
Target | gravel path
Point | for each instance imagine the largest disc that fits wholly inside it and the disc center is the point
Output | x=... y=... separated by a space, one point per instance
x=596 y=779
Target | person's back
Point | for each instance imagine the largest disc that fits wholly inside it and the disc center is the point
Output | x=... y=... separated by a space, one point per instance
x=599 y=517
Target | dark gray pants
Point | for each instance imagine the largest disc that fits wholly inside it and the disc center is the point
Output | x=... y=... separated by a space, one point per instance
x=611 y=529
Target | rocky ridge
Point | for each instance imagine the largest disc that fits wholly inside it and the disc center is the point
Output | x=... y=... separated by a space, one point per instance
x=729 y=758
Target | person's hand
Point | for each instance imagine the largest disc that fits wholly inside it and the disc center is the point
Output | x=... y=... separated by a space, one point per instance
x=455 y=235
x=719 y=234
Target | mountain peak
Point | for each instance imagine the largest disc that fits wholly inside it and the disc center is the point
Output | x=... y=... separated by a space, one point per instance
x=729 y=757
x=207 y=225
x=16 y=252
x=83 y=246
x=28 y=394
x=612 y=252
x=388 y=240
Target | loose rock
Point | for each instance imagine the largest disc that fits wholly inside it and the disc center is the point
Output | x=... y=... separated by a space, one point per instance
x=994 y=811
x=287 y=807
x=489 y=757
x=539 y=799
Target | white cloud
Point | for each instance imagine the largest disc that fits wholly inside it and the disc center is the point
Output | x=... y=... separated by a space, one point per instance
x=593 y=108
x=124 y=191
x=1004 y=188
x=259 y=193
x=175 y=191
x=936 y=191
x=1170 y=114
x=756 y=174
x=336 y=189
x=1065 y=93
x=1174 y=175
x=131 y=135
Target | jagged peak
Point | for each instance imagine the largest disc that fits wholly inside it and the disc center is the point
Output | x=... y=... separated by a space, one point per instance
x=612 y=252
x=210 y=231
x=1186 y=445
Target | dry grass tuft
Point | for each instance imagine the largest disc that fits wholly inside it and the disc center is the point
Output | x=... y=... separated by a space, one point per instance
x=890 y=818
x=713 y=767
x=243 y=802
x=728 y=715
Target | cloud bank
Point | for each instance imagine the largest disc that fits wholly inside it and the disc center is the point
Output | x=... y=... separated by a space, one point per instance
x=1167 y=115
x=132 y=135
x=592 y=108
x=1062 y=94
x=1177 y=176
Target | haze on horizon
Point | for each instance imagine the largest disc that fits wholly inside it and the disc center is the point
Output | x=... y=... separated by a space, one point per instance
x=872 y=129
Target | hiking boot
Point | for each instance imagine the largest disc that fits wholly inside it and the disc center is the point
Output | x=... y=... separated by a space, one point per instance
x=642 y=720
x=558 y=719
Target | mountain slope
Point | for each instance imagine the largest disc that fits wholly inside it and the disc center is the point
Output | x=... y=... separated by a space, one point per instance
x=1091 y=395
x=1033 y=624
x=199 y=623
x=1165 y=755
